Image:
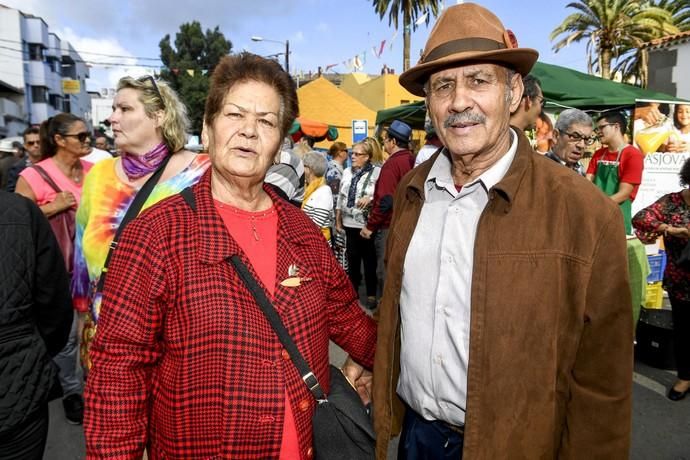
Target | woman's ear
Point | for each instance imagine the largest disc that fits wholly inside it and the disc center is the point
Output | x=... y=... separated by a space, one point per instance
x=204 y=137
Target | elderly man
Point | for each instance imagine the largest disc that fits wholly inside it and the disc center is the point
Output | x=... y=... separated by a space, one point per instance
x=572 y=136
x=498 y=336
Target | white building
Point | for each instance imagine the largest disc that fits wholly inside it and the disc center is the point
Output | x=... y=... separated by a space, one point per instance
x=34 y=63
x=669 y=61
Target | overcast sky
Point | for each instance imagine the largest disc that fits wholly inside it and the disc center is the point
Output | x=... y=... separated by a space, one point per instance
x=321 y=32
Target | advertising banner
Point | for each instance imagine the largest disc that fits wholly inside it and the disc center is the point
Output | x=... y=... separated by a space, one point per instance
x=662 y=132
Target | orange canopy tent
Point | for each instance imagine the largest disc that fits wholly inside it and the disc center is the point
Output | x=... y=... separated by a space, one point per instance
x=319 y=131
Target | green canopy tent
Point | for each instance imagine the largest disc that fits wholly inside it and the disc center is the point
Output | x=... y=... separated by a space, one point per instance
x=562 y=88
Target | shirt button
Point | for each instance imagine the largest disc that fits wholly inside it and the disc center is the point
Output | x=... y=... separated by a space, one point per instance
x=285 y=355
x=310 y=452
x=304 y=405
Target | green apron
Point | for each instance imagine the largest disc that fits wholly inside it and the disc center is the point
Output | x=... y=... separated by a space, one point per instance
x=608 y=182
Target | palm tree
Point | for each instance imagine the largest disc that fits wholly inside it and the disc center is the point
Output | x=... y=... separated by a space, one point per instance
x=410 y=10
x=613 y=28
x=680 y=10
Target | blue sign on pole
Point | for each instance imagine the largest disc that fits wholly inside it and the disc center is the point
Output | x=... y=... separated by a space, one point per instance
x=360 y=130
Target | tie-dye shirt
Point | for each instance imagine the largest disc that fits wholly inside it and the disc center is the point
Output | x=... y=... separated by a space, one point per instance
x=104 y=202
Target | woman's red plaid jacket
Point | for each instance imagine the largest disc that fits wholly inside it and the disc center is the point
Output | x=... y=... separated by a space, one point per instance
x=184 y=359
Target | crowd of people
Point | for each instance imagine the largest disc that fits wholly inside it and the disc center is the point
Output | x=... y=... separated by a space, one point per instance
x=132 y=267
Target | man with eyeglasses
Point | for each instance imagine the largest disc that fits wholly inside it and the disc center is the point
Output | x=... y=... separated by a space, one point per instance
x=531 y=104
x=572 y=135
x=32 y=147
x=617 y=167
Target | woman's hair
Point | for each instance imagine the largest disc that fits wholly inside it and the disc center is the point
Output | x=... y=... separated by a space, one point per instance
x=337 y=147
x=245 y=67
x=158 y=95
x=59 y=124
x=316 y=162
x=373 y=148
x=685 y=173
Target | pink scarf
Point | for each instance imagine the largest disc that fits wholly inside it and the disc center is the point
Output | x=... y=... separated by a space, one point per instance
x=137 y=166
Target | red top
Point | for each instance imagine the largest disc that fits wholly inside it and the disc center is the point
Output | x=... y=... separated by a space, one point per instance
x=629 y=169
x=186 y=362
x=255 y=232
x=395 y=167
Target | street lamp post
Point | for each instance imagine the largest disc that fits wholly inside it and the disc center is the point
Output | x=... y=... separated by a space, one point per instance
x=287 y=48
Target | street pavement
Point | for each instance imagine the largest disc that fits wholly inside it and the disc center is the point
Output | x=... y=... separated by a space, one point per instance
x=661 y=428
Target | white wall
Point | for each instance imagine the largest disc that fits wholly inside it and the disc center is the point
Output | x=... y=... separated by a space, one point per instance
x=680 y=72
x=11 y=62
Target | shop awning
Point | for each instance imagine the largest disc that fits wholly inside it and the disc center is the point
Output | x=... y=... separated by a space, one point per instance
x=320 y=131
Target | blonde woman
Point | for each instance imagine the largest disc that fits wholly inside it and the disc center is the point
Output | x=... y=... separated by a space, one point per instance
x=149 y=124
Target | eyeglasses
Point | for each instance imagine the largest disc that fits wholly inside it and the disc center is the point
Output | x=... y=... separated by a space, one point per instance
x=577 y=137
x=146 y=78
x=355 y=154
x=598 y=128
x=80 y=136
x=30 y=143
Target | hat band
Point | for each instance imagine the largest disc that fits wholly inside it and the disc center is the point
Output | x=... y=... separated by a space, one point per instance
x=461 y=45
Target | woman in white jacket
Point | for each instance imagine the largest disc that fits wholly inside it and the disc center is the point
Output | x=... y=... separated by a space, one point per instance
x=352 y=208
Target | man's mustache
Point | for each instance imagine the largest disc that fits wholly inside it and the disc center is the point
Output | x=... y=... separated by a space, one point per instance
x=463 y=117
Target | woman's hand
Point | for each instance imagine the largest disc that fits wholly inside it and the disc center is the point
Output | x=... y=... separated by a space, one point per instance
x=64 y=201
x=678 y=232
x=363 y=202
x=676 y=145
x=360 y=378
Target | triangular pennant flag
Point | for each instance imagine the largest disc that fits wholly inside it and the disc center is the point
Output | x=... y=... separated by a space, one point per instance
x=329 y=67
x=421 y=19
x=204 y=72
x=190 y=72
x=395 y=35
x=383 y=44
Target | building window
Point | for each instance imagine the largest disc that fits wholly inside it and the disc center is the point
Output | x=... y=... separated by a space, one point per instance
x=56 y=102
x=35 y=52
x=66 y=106
x=39 y=94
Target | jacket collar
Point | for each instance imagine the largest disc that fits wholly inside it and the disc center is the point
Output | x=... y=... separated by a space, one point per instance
x=216 y=244
x=507 y=187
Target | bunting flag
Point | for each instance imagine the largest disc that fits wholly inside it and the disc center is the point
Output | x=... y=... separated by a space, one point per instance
x=421 y=19
x=329 y=67
x=395 y=35
x=204 y=72
x=383 y=44
x=356 y=63
x=190 y=72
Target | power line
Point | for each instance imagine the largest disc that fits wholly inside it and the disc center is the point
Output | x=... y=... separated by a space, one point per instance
x=89 y=52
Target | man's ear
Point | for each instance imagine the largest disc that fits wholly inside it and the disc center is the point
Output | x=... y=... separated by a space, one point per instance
x=516 y=91
x=555 y=135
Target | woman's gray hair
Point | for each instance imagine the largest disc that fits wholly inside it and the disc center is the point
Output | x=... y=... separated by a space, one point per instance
x=570 y=117
x=316 y=162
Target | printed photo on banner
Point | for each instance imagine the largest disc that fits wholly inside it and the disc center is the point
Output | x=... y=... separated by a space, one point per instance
x=661 y=130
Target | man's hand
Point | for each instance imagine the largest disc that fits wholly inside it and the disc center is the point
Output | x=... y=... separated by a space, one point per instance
x=649 y=114
x=365 y=233
x=360 y=378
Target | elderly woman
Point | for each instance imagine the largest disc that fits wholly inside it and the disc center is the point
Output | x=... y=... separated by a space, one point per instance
x=185 y=362
x=670 y=216
x=352 y=209
x=149 y=124
x=318 y=198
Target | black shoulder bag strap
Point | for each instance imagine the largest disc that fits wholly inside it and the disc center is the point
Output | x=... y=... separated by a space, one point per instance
x=271 y=315
x=132 y=212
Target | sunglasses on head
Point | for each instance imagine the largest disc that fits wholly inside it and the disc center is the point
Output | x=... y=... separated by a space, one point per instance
x=149 y=78
x=80 y=136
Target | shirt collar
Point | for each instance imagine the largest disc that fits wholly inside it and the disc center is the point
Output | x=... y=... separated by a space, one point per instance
x=440 y=173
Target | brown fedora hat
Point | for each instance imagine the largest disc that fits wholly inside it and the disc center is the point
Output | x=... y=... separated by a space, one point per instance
x=467 y=32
